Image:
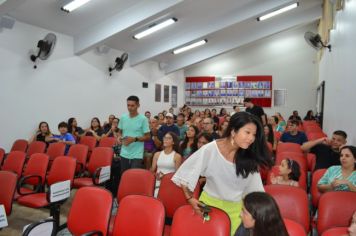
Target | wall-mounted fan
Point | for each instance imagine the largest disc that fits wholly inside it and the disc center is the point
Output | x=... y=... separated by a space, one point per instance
x=314 y=40
x=45 y=48
x=119 y=63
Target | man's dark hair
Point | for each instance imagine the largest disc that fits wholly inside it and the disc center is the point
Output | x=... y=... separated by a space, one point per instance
x=247 y=100
x=294 y=122
x=234 y=107
x=133 y=98
x=62 y=125
x=341 y=133
x=181 y=114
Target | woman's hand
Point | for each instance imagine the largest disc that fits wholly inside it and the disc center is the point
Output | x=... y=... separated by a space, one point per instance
x=195 y=204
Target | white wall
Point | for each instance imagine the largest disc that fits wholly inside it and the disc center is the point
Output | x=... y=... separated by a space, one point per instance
x=285 y=56
x=338 y=70
x=66 y=85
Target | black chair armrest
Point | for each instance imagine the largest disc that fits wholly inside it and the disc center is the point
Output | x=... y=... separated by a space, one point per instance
x=38 y=224
x=81 y=170
x=23 y=181
x=95 y=176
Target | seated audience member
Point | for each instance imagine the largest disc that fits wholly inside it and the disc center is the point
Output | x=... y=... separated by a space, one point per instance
x=326 y=150
x=114 y=130
x=293 y=135
x=161 y=120
x=341 y=178
x=64 y=136
x=203 y=138
x=95 y=129
x=207 y=113
x=189 y=144
x=168 y=127
x=352 y=228
x=222 y=112
x=148 y=115
x=215 y=117
x=181 y=126
x=171 y=110
x=269 y=135
x=289 y=173
x=42 y=134
x=74 y=129
x=273 y=121
x=107 y=125
x=208 y=127
x=281 y=122
x=295 y=116
x=309 y=115
x=260 y=216
x=222 y=128
x=168 y=160
x=150 y=146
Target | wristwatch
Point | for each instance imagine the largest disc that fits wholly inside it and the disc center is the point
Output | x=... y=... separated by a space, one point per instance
x=136 y=139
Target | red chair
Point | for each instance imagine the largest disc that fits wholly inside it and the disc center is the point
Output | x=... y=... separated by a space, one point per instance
x=55 y=150
x=7 y=190
x=107 y=142
x=136 y=181
x=311 y=161
x=100 y=157
x=315 y=194
x=19 y=145
x=139 y=215
x=34 y=174
x=285 y=196
x=63 y=169
x=90 y=211
x=14 y=162
x=289 y=147
x=2 y=155
x=335 y=210
x=36 y=147
x=80 y=153
x=337 y=231
x=294 y=228
x=185 y=223
x=89 y=141
x=313 y=128
x=298 y=157
x=302 y=179
x=277 y=135
x=315 y=135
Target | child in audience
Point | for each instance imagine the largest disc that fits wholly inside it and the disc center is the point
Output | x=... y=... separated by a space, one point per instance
x=289 y=173
x=260 y=216
x=64 y=136
x=42 y=134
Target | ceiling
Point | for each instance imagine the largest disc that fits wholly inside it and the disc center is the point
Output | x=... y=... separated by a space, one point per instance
x=226 y=24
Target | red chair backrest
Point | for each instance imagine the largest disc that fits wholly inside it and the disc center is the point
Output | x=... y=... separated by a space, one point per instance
x=285 y=196
x=14 y=162
x=136 y=181
x=63 y=168
x=186 y=223
x=311 y=161
x=36 y=165
x=90 y=210
x=310 y=123
x=139 y=215
x=7 y=190
x=36 y=147
x=107 y=142
x=277 y=135
x=335 y=210
x=315 y=194
x=80 y=153
x=294 y=228
x=288 y=147
x=315 y=135
x=19 y=145
x=100 y=157
x=172 y=196
x=336 y=231
x=312 y=128
x=55 y=150
x=2 y=155
x=302 y=179
x=298 y=157
x=90 y=141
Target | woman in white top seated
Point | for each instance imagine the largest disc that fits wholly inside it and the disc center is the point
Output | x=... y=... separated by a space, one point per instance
x=230 y=165
x=168 y=160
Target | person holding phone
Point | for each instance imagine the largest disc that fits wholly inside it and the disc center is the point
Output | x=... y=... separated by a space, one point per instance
x=230 y=165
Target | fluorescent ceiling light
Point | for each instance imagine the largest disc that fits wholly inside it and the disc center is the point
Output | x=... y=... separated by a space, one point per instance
x=277 y=12
x=71 y=6
x=155 y=28
x=190 y=46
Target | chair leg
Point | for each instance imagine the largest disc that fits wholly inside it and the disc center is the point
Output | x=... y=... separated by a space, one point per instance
x=55 y=213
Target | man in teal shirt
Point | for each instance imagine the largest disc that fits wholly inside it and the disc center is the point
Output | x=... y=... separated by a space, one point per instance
x=134 y=130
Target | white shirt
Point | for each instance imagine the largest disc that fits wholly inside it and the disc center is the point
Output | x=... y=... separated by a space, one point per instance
x=221 y=179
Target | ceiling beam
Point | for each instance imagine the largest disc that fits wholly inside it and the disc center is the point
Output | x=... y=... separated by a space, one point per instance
x=97 y=34
x=237 y=36
x=240 y=14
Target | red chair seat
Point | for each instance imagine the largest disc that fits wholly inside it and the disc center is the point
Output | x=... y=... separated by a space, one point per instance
x=23 y=190
x=167 y=230
x=37 y=200
x=83 y=182
x=336 y=231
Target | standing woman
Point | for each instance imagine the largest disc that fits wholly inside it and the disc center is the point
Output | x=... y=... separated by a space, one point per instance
x=189 y=144
x=168 y=160
x=230 y=165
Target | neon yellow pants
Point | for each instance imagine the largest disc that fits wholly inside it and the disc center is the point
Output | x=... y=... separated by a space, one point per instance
x=233 y=209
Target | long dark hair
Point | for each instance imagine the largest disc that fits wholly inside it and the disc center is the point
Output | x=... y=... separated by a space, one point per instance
x=44 y=122
x=70 y=125
x=265 y=212
x=295 y=169
x=194 y=146
x=352 y=150
x=97 y=119
x=175 y=141
x=270 y=137
x=256 y=155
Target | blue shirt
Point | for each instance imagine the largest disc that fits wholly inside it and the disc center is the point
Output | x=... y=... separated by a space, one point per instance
x=299 y=138
x=133 y=127
x=65 y=137
x=165 y=129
